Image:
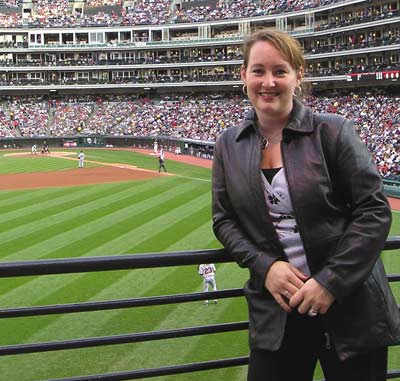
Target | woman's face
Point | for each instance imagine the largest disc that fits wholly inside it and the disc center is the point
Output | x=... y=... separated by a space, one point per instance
x=271 y=81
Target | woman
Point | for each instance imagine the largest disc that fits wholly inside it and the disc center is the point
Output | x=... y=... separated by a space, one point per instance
x=297 y=199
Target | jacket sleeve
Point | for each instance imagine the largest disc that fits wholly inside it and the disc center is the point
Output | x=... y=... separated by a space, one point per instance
x=227 y=227
x=369 y=216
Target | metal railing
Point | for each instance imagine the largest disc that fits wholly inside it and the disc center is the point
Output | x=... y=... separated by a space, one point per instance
x=125 y=262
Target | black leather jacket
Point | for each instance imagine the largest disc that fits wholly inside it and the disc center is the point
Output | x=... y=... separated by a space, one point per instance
x=342 y=215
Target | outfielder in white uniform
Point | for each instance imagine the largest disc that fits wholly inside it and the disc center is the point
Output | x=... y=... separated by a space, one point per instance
x=207 y=271
x=81 y=158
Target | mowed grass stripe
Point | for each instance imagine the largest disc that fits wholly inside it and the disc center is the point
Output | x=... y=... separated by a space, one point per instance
x=10 y=208
x=155 y=219
x=85 y=209
x=43 y=212
x=89 y=232
x=10 y=198
x=97 y=288
x=121 y=240
x=114 y=231
x=32 y=228
x=197 y=217
x=30 y=201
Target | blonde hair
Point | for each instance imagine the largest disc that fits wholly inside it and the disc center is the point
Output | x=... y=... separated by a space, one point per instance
x=289 y=47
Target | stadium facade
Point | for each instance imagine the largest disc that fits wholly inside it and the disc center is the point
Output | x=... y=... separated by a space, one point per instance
x=347 y=44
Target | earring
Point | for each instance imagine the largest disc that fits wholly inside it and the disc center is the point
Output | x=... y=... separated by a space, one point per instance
x=298 y=90
x=244 y=89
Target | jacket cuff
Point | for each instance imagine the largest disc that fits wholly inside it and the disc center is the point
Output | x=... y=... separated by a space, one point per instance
x=328 y=279
x=261 y=268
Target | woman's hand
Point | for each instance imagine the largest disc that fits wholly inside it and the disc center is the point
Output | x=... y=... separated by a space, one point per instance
x=312 y=296
x=283 y=281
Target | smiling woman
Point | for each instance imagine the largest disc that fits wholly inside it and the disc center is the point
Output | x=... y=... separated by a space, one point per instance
x=298 y=200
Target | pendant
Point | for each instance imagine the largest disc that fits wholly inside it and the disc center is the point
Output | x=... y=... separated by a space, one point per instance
x=265 y=143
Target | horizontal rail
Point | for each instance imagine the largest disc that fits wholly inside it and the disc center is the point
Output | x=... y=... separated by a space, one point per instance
x=117 y=304
x=122 y=339
x=110 y=263
x=177 y=369
x=393 y=374
x=164 y=371
x=392 y=243
x=129 y=261
x=393 y=277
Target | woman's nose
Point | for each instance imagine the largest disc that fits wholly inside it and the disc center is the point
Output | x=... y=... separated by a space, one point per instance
x=268 y=80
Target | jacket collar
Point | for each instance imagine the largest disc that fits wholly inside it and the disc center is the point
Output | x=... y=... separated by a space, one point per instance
x=300 y=121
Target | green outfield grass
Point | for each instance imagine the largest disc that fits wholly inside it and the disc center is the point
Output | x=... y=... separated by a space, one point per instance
x=164 y=214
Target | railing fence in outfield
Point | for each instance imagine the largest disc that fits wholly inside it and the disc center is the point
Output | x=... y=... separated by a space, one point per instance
x=124 y=262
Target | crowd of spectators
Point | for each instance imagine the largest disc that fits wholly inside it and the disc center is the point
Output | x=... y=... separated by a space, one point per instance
x=244 y=8
x=102 y=3
x=147 y=12
x=10 y=3
x=56 y=13
x=376 y=116
x=24 y=116
x=377 y=119
x=370 y=40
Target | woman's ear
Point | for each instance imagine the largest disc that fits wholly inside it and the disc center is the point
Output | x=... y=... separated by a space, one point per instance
x=300 y=74
x=243 y=73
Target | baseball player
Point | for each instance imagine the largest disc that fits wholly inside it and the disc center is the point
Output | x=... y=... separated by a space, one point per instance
x=45 y=149
x=207 y=271
x=81 y=158
x=161 y=163
x=34 y=149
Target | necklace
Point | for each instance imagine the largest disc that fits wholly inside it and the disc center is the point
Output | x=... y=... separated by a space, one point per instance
x=266 y=141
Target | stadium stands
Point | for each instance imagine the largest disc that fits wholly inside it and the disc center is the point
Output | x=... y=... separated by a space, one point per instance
x=152 y=66
x=197 y=117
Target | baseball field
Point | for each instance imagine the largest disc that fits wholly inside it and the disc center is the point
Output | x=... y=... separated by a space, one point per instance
x=118 y=204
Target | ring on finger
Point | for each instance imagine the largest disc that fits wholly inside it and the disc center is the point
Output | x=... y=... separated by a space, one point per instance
x=312 y=312
x=287 y=294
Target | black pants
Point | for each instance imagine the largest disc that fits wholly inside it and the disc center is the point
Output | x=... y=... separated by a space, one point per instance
x=161 y=165
x=305 y=342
